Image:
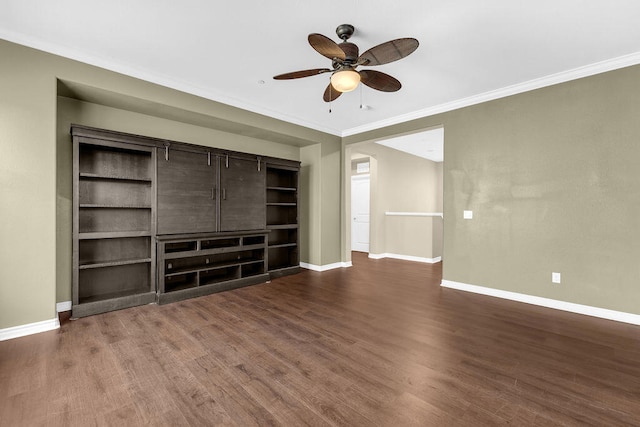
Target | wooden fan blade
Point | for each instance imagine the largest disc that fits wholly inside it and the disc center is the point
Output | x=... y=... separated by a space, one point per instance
x=300 y=74
x=331 y=94
x=325 y=46
x=389 y=51
x=379 y=81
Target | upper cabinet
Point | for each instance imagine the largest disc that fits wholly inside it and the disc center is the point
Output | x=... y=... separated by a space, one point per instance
x=187 y=191
x=242 y=186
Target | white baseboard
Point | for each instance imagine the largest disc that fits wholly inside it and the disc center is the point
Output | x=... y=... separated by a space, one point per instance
x=406 y=258
x=326 y=266
x=63 y=306
x=618 y=316
x=31 y=328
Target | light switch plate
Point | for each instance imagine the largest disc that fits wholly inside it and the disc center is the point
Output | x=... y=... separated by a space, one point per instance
x=467 y=215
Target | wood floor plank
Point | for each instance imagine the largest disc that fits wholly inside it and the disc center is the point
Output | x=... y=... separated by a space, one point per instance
x=380 y=343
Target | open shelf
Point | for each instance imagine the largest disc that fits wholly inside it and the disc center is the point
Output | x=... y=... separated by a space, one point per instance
x=283 y=257
x=197 y=266
x=114 y=263
x=283 y=189
x=282 y=226
x=282 y=178
x=176 y=266
x=219 y=243
x=92 y=220
x=180 y=282
x=101 y=160
x=90 y=176
x=283 y=245
x=219 y=275
x=96 y=206
x=253 y=240
x=97 y=284
x=113 y=257
x=112 y=234
x=283 y=237
x=282 y=217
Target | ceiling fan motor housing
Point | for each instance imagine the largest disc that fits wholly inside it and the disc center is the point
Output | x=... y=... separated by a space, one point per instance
x=351 y=52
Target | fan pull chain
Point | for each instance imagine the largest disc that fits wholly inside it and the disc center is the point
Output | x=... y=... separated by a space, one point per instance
x=330 y=95
x=361 y=97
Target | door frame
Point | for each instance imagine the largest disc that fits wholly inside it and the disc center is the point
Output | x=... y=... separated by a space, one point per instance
x=355 y=178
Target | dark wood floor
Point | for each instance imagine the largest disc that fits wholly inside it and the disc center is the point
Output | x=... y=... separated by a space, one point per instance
x=376 y=344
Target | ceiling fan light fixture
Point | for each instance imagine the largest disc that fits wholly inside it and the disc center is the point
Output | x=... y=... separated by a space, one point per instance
x=345 y=80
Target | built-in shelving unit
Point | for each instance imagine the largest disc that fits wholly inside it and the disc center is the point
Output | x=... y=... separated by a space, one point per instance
x=113 y=255
x=160 y=221
x=197 y=264
x=282 y=218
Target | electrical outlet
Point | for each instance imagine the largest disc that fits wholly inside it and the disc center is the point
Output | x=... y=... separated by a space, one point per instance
x=555 y=277
x=467 y=214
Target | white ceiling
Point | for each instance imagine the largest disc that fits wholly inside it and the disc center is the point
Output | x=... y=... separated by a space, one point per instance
x=428 y=144
x=470 y=51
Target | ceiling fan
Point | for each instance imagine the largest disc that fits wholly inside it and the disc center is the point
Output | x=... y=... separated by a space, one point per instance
x=345 y=59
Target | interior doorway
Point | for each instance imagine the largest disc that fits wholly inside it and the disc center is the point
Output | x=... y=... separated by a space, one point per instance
x=360 y=198
x=405 y=197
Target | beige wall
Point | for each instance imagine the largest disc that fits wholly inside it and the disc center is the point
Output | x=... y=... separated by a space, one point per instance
x=321 y=204
x=35 y=164
x=552 y=178
x=27 y=189
x=310 y=205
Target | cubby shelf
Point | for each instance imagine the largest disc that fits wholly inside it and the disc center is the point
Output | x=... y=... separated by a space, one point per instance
x=207 y=267
x=214 y=251
x=191 y=266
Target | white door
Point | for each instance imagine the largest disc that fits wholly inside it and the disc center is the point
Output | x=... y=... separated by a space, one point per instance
x=360 y=213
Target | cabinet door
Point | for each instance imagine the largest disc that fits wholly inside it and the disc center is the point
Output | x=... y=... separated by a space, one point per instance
x=186 y=192
x=242 y=205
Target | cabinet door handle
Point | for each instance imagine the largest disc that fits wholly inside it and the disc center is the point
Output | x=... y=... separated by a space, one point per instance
x=224 y=194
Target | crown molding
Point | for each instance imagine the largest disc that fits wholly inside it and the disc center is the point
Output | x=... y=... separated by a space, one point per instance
x=550 y=80
x=162 y=80
x=156 y=78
